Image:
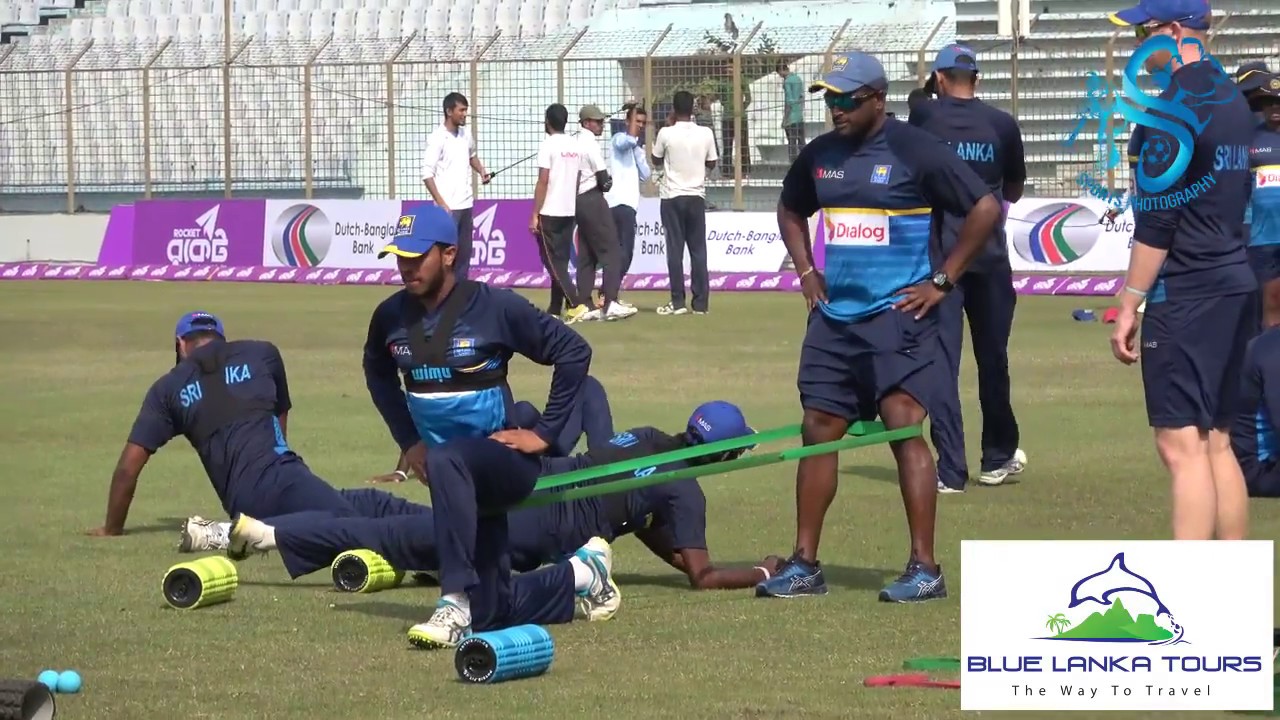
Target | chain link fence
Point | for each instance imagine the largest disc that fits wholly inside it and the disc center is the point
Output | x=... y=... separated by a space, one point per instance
x=349 y=119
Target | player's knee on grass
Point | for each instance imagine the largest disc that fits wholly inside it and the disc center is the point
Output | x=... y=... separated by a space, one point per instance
x=819 y=427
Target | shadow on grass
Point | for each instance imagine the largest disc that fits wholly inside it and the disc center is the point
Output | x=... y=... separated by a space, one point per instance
x=164 y=524
x=872 y=472
x=407 y=612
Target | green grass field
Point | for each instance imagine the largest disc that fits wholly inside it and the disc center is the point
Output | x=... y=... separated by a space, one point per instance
x=78 y=357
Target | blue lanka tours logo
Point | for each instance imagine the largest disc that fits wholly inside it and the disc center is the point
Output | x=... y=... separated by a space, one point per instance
x=1114 y=606
x=1170 y=128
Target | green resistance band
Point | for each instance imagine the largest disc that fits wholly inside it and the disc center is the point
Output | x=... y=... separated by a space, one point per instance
x=545 y=493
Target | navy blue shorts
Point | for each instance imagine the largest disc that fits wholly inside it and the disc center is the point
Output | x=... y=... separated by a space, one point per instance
x=1192 y=352
x=1265 y=261
x=1262 y=478
x=847 y=368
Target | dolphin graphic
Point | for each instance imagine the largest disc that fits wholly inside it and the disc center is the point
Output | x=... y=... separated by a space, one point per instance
x=1100 y=586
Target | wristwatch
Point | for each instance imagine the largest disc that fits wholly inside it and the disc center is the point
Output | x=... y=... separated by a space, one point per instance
x=942 y=282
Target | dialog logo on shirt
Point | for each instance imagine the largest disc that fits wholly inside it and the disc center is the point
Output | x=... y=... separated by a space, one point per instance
x=1267 y=176
x=856 y=228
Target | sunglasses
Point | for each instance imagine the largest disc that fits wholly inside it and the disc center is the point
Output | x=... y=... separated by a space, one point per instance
x=1145 y=31
x=846 y=102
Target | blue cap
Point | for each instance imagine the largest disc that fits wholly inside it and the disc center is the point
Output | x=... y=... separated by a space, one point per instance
x=198 y=321
x=851 y=72
x=718 y=420
x=1194 y=14
x=956 y=57
x=417 y=233
x=1252 y=76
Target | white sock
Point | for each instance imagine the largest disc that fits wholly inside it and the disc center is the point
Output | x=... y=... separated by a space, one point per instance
x=583 y=575
x=461 y=600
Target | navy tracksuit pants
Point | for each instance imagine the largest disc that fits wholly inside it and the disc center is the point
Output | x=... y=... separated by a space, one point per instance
x=987 y=299
x=471 y=481
x=591 y=416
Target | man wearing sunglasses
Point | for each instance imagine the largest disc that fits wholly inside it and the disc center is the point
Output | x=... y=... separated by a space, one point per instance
x=872 y=346
x=1189 y=263
x=990 y=142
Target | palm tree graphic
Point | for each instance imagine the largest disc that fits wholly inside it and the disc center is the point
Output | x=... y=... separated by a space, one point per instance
x=1057 y=623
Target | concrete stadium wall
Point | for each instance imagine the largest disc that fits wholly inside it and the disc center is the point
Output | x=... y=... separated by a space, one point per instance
x=55 y=238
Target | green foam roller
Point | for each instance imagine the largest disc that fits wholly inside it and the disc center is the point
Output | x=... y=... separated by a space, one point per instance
x=932 y=663
x=200 y=583
x=364 y=571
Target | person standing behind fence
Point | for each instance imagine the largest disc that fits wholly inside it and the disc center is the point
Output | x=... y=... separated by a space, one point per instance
x=629 y=167
x=554 y=207
x=447 y=164
x=793 y=110
x=685 y=151
x=597 y=235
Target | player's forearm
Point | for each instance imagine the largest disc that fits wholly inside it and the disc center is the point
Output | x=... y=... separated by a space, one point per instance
x=389 y=400
x=119 y=498
x=572 y=358
x=1144 y=267
x=728 y=579
x=435 y=193
x=539 y=196
x=978 y=226
x=795 y=236
x=476 y=165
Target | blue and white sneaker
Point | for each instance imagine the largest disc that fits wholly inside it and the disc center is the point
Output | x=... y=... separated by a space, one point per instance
x=448 y=625
x=797 y=578
x=916 y=584
x=945 y=489
x=601 y=599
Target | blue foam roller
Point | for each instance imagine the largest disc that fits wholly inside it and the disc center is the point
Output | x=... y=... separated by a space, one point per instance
x=493 y=657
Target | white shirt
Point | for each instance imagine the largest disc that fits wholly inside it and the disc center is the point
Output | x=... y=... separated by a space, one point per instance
x=560 y=156
x=592 y=160
x=684 y=149
x=629 y=167
x=447 y=159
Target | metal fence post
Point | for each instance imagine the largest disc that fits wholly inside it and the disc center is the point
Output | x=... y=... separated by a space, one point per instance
x=922 y=62
x=560 y=64
x=828 y=59
x=69 y=125
x=649 y=99
x=146 y=117
x=738 y=148
x=475 y=92
x=308 y=169
x=226 y=98
x=391 y=114
x=1109 y=120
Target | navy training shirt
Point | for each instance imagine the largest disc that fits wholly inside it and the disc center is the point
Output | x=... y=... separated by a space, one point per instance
x=469 y=395
x=544 y=533
x=1200 y=218
x=240 y=451
x=879 y=196
x=990 y=142
x=1253 y=435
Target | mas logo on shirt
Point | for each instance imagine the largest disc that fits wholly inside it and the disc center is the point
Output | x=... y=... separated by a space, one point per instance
x=829 y=174
x=880 y=175
x=399 y=349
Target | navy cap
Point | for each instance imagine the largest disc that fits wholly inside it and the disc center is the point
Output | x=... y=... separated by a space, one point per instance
x=418 y=232
x=718 y=420
x=1269 y=85
x=956 y=57
x=1252 y=76
x=198 y=321
x=1194 y=14
x=851 y=72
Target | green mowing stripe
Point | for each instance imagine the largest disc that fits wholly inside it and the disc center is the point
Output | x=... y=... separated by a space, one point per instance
x=782 y=433
x=540 y=497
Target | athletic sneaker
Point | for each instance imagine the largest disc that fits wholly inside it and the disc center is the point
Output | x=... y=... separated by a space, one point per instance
x=249 y=537
x=1013 y=466
x=945 y=489
x=448 y=625
x=200 y=535
x=618 y=311
x=579 y=314
x=798 y=577
x=601 y=599
x=670 y=309
x=624 y=304
x=916 y=584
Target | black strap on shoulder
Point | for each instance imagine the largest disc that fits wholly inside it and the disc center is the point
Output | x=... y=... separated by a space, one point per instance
x=218 y=407
x=434 y=350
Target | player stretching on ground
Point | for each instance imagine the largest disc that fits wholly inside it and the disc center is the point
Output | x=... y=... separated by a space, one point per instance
x=1189 y=264
x=1253 y=436
x=669 y=518
x=872 y=341
x=231 y=401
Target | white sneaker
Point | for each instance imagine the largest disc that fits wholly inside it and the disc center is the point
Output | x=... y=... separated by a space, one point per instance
x=624 y=304
x=601 y=599
x=249 y=537
x=944 y=489
x=588 y=316
x=448 y=625
x=670 y=309
x=618 y=311
x=200 y=535
x=1014 y=466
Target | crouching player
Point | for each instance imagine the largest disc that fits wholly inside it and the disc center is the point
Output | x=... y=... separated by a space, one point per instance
x=1253 y=437
x=231 y=401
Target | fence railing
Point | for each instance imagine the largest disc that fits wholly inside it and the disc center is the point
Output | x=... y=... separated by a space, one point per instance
x=349 y=118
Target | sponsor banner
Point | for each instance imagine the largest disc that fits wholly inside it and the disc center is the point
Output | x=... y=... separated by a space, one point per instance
x=724 y=282
x=328 y=233
x=746 y=242
x=500 y=237
x=1068 y=236
x=117 y=239
x=196 y=232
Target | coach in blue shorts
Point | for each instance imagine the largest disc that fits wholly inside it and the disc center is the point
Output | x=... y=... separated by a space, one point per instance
x=1190 y=265
x=872 y=343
